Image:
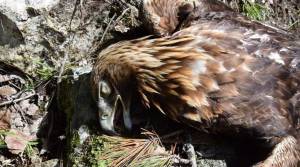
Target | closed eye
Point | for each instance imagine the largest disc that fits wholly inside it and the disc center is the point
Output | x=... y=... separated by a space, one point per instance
x=104 y=89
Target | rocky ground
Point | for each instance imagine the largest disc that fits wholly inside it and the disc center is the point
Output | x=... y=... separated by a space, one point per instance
x=45 y=43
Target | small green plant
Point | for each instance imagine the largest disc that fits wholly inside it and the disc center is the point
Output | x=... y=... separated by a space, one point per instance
x=254 y=10
x=29 y=151
x=2 y=136
x=295 y=24
x=96 y=152
x=3 y=133
x=29 y=85
x=43 y=70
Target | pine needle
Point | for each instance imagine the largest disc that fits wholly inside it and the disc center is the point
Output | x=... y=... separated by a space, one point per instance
x=122 y=152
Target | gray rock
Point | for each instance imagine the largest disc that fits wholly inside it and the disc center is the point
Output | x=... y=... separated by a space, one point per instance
x=17 y=9
x=51 y=163
x=211 y=163
x=9 y=33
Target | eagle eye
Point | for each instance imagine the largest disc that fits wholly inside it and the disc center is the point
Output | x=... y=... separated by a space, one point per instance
x=104 y=89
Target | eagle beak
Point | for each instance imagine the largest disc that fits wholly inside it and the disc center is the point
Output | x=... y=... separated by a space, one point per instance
x=106 y=122
x=107 y=115
x=126 y=112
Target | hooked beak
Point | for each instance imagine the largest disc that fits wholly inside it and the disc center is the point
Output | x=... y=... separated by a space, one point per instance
x=106 y=118
x=107 y=125
x=126 y=114
x=107 y=114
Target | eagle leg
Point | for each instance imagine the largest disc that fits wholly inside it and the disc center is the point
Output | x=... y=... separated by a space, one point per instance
x=285 y=154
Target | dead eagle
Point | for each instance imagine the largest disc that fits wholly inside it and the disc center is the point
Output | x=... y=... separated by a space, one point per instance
x=231 y=79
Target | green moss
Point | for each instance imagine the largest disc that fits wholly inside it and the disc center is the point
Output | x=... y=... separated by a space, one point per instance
x=75 y=155
x=88 y=153
x=96 y=147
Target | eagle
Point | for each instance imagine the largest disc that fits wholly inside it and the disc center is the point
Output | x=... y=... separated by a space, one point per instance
x=210 y=68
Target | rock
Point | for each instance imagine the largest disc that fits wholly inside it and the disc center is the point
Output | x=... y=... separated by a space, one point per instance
x=40 y=4
x=17 y=9
x=4 y=161
x=9 y=33
x=35 y=158
x=18 y=122
x=211 y=163
x=51 y=163
x=32 y=109
x=83 y=133
x=34 y=127
x=17 y=141
x=7 y=91
x=28 y=107
x=4 y=119
x=24 y=104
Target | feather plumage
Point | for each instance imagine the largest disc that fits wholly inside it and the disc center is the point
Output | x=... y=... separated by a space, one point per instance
x=221 y=73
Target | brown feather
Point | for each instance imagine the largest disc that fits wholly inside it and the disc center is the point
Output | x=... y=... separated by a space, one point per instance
x=220 y=67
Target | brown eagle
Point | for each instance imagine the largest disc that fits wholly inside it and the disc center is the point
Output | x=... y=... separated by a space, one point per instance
x=220 y=73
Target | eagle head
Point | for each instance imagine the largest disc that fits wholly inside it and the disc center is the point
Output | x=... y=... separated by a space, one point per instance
x=168 y=74
x=112 y=84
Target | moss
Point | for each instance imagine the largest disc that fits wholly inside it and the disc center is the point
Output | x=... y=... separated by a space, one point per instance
x=96 y=147
x=88 y=153
x=75 y=155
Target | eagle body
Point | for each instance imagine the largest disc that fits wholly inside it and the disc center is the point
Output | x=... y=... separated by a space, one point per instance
x=219 y=75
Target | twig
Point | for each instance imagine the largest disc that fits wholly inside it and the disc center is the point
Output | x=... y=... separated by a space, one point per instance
x=73 y=13
x=18 y=108
x=2 y=26
x=62 y=48
x=120 y=17
x=274 y=28
x=61 y=70
x=107 y=28
x=295 y=23
x=17 y=100
x=14 y=85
